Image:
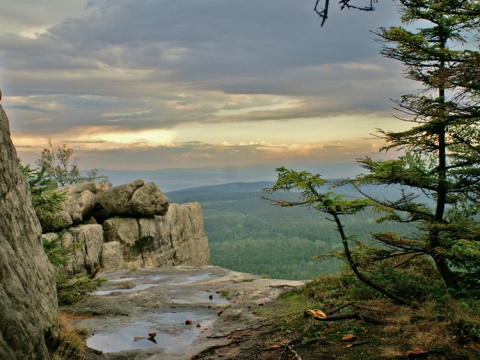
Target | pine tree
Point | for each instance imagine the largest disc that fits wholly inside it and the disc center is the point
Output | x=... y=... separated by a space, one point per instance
x=438 y=174
x=441 y=148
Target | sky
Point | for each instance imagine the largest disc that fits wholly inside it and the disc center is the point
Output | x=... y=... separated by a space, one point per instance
x=156 y=84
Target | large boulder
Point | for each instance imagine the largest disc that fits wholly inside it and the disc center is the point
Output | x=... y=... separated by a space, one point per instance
x=80 y=201
x=135 y=199
x=178 y=238
x=112 y=256
x=182 y=227
x=83 y=246
x=28 y=299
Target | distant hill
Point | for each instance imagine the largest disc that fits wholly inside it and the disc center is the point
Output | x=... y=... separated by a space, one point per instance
x=192 y=194
x=250 y=235
x=176 y=179
x=226 y=188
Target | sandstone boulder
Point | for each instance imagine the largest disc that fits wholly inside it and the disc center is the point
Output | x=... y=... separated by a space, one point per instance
x=80 y=200
x=135 y=199
x=112 y=256
x=83 y=245
x=178 y=238
x=28 y=300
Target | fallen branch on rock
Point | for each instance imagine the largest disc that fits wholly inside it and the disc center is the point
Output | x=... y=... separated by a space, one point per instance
x=352 y=315
x=295 y=354
x=237 y=330
x=357 y=343
x=213 y=347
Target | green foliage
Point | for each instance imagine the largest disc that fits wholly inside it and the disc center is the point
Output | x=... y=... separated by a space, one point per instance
x=247 y=234
x=45 y=200
x=70 y=289
x=55 y=168
x=56 y=255
x=310 y=187
x=47 y=203
x=280 y=259
x=335 y=206
x=440 y=160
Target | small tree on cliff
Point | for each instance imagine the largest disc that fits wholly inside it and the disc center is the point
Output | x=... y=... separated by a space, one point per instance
x=60 y=165
x=45 y=200
x=442 y=148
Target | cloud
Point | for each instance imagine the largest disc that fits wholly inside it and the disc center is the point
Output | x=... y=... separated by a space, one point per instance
x=31 y=17
x=127 y=68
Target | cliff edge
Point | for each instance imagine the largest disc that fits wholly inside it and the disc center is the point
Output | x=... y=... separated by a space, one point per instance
x=28 y=300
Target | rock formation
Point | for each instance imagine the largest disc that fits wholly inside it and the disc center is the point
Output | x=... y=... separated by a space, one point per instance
x=28 y=300
x=134 y=200
x=130 y=226
x=178 y=238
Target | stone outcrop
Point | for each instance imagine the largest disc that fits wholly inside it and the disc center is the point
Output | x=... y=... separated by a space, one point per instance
x=134 y=200
x=130 y=226
x=28 y=300
x=81 y=200
x=84 y=243
x=178 y=238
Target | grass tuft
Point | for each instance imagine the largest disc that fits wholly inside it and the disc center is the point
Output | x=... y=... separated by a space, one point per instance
x=70 y=344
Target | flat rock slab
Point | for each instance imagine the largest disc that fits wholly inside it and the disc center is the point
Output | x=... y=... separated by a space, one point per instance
x=190 y=309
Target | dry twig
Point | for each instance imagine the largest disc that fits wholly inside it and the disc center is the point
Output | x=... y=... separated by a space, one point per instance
x=213 y=347
x=353 y=315
x=237 y=330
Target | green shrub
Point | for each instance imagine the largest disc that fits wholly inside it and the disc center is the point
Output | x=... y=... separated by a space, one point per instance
x=70 y=289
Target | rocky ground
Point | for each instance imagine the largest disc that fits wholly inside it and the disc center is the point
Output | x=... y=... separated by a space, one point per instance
x=195 y=312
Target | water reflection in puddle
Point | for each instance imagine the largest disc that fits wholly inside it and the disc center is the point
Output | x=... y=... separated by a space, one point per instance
x=136 y=288
x=121 y=340
x=122 y=279
x=173 y=335
x=152 y=278
x=207 y=296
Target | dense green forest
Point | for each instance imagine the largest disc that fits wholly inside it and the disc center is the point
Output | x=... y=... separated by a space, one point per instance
x=249 y=235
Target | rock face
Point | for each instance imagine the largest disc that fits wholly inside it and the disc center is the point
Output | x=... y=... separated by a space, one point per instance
x=178 y=238
x=28 y=300
x=138 y=228
x=134 y=200
x=85 y=244
x=80 y=202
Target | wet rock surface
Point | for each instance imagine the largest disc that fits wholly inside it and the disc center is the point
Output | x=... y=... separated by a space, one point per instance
x=189 y=309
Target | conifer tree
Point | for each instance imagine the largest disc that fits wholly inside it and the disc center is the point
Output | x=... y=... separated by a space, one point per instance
x=441 y=148
x=438 y=173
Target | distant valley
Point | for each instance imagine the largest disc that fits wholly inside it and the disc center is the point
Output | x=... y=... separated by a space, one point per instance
x=249 y=235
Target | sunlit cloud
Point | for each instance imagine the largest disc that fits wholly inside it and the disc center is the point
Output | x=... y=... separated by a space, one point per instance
x=135 y=84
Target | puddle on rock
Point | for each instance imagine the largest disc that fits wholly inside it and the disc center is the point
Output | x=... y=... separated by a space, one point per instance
x=149 y=277
x=207 y=296
x=122 y=340
x=215 y=297
x=136 y=288
x=173 y=334
x=192 y=279
x=123 y=279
